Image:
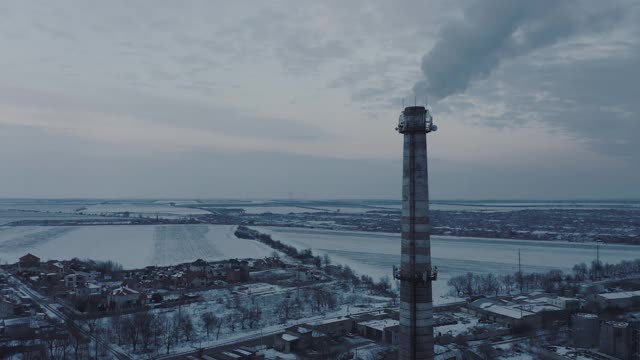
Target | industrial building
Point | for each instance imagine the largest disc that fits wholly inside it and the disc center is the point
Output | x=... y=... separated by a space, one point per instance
x=585 y=330
x=384 y=330
x=615 y=339
x=619 y=300
x=519 y=315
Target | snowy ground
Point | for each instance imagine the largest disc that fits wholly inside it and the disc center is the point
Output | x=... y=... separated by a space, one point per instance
x=131 y=246
x=375 y=253
x=464 y=325
x=222 y=302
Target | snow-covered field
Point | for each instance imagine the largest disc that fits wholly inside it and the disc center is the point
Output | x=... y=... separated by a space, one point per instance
x=144 y=209
x=355 y=207
x=131 y=246
x=9 y=216
x=352 y=209
x=374 y=254
x=283 y=210
x=517 y=205
x=59 y=208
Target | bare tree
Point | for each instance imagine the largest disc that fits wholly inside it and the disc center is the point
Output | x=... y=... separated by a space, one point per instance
x=145 y=322
x=508 y=282
x=95 y=331
x=131 y=331
x=115 y=323
x=284 y=310
x=220 y=322
x=458 y=284
x=232 y=320
x=394 y=297
x=79 y=342
x=209 y=321
x=489 y=284
x=56 y=341
x=255 y=316
x=168 y=332
x=185 y=324
x=326 y=259
x=580 y=271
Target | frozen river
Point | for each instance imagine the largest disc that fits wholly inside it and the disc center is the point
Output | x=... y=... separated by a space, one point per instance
x=374 y=254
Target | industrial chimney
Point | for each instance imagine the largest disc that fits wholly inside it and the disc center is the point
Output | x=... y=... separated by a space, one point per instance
x=415 y=273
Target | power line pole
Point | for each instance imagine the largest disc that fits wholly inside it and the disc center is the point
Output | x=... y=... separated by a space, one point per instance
x=520 y=279
x=597 y=261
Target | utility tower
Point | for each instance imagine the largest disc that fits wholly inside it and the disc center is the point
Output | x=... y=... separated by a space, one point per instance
x=415 y=273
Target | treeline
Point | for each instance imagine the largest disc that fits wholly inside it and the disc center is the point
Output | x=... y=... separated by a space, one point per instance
x=105 y=267
x=244 y=232
x=488 y=284
x=382 y=287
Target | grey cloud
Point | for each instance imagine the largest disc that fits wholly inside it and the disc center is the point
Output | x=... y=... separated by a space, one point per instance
x=78 y=168
x=374 y=83
x=496 y=30
x=55 y=33
x=164 y=111
x=301 y=53
x=591 y=100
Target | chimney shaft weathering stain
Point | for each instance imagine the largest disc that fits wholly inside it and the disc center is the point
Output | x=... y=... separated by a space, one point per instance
x=415 y=273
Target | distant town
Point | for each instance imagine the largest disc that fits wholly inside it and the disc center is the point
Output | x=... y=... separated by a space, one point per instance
x=578 y=223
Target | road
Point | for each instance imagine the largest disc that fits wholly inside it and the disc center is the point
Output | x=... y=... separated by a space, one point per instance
x=48 y=305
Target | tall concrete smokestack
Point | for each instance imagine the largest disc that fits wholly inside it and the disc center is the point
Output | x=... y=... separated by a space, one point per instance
x=415 y=273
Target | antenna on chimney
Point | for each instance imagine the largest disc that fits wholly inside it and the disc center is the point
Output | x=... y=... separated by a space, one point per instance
x=415 y=100
x=403 y=103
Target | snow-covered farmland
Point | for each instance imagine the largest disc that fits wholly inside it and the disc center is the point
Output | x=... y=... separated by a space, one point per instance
x=131 y=246
x=374 y=254
x=282 y=210
x=143 y=209
x=9 y=216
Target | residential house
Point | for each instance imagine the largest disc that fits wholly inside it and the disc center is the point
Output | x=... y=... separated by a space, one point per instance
x=198 y=280
x=74 y=279
x=6 y=309
x=29 y=263
x=124 y=297
x=237 y=274
x=198 y=266
x=88 y=289
x=15 y=327
x=55 y=267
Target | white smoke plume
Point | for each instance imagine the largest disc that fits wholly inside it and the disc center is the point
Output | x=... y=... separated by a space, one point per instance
x=493 y=31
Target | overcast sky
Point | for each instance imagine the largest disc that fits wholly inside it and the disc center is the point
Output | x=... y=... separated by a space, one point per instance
x=265 y=99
